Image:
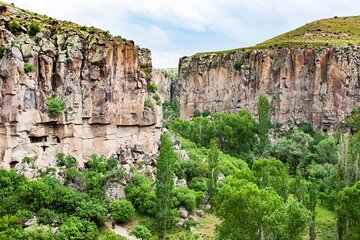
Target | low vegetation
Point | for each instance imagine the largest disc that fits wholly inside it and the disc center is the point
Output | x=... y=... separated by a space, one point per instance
x=55 y=106
x=29 y=67
x=336 y=31
x=34 y=28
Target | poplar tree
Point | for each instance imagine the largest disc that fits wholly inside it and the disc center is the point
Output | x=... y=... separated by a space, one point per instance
x=164 y=184
x=264 y=121
x=213 y=170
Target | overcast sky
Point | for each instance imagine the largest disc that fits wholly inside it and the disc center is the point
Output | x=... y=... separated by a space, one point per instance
x=175 y=28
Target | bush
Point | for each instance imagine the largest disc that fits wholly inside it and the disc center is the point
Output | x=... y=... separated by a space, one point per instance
x=141 y=232
x=149 y=103
x=141 y=193
x=185 y=197
x=199 y=184
x=55 y=105
x=46 y=216
x=153 y=87
x=122 y=211
x=28 y=67
x=67 y=161
x=96 y=163
x=157 y=99
x=15 y=26
x=29 y=160
x=110 y=235
x=237 y=65
x=111 y=163
x=75 y=228
x=34 y=28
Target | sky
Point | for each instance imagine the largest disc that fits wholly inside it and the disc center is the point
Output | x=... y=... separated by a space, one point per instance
x=175 y=28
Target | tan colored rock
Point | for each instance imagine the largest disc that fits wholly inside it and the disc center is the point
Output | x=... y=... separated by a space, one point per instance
x=97 y=76
x=318 y=86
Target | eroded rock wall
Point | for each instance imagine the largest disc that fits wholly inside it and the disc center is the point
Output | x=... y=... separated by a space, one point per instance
x=320 y=86
x=166 y=84
x=102 y=79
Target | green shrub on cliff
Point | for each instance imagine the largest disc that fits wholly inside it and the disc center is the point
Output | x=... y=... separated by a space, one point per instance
x=15 y=26
x=55 y=106
x=34 y=28
x=28 y=67
x=237 y=65
x=149 y=103
x=153 y=87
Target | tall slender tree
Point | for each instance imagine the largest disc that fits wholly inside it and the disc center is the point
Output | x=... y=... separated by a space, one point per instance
x=264 y=121
x=213 y=170
x=164 y=184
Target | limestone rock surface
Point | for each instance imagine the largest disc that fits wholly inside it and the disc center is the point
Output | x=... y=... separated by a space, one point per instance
x=319 y=86
x=103 y=81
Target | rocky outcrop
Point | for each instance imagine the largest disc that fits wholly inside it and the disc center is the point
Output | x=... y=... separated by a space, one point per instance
x=166 y=81
x=103 y=81
x=320 y=86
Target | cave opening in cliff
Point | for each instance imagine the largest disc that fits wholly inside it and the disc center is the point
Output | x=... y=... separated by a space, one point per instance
x=37 y=139
x=57 y=139
x=13 y=164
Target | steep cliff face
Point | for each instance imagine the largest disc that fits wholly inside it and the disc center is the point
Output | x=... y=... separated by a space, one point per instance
x=103 y=81
x=318 y=85
x=166 y=81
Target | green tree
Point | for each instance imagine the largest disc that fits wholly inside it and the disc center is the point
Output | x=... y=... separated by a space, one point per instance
x=263 y=213
x=184 y=197
x=122 y=210
x=141 y=232
x=213 y=170
x=164 y=184
x=271 y=173
x=348 y=210
x=264 y=121
x=293 y=149
x=77 y=229
x=326 y=151
x=140 y=192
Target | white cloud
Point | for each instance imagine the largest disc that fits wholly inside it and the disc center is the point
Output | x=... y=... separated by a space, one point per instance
x=162 y=25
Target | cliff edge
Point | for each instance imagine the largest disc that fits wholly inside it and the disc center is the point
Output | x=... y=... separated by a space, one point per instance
x=311 y=74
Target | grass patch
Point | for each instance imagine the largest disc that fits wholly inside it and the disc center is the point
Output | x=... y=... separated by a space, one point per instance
x=325 y=223
x=206 y=226
x=339 y=31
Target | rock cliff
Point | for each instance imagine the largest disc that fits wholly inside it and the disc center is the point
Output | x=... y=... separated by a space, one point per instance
x=314 y=84
x=166 y=81
x=103 y=81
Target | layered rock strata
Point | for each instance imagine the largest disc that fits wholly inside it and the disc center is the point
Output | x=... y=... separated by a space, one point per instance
x=103 y=81
x=320 y=86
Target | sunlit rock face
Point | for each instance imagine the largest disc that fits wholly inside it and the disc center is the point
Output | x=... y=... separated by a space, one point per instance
x=319 y=86
x=103 y=81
